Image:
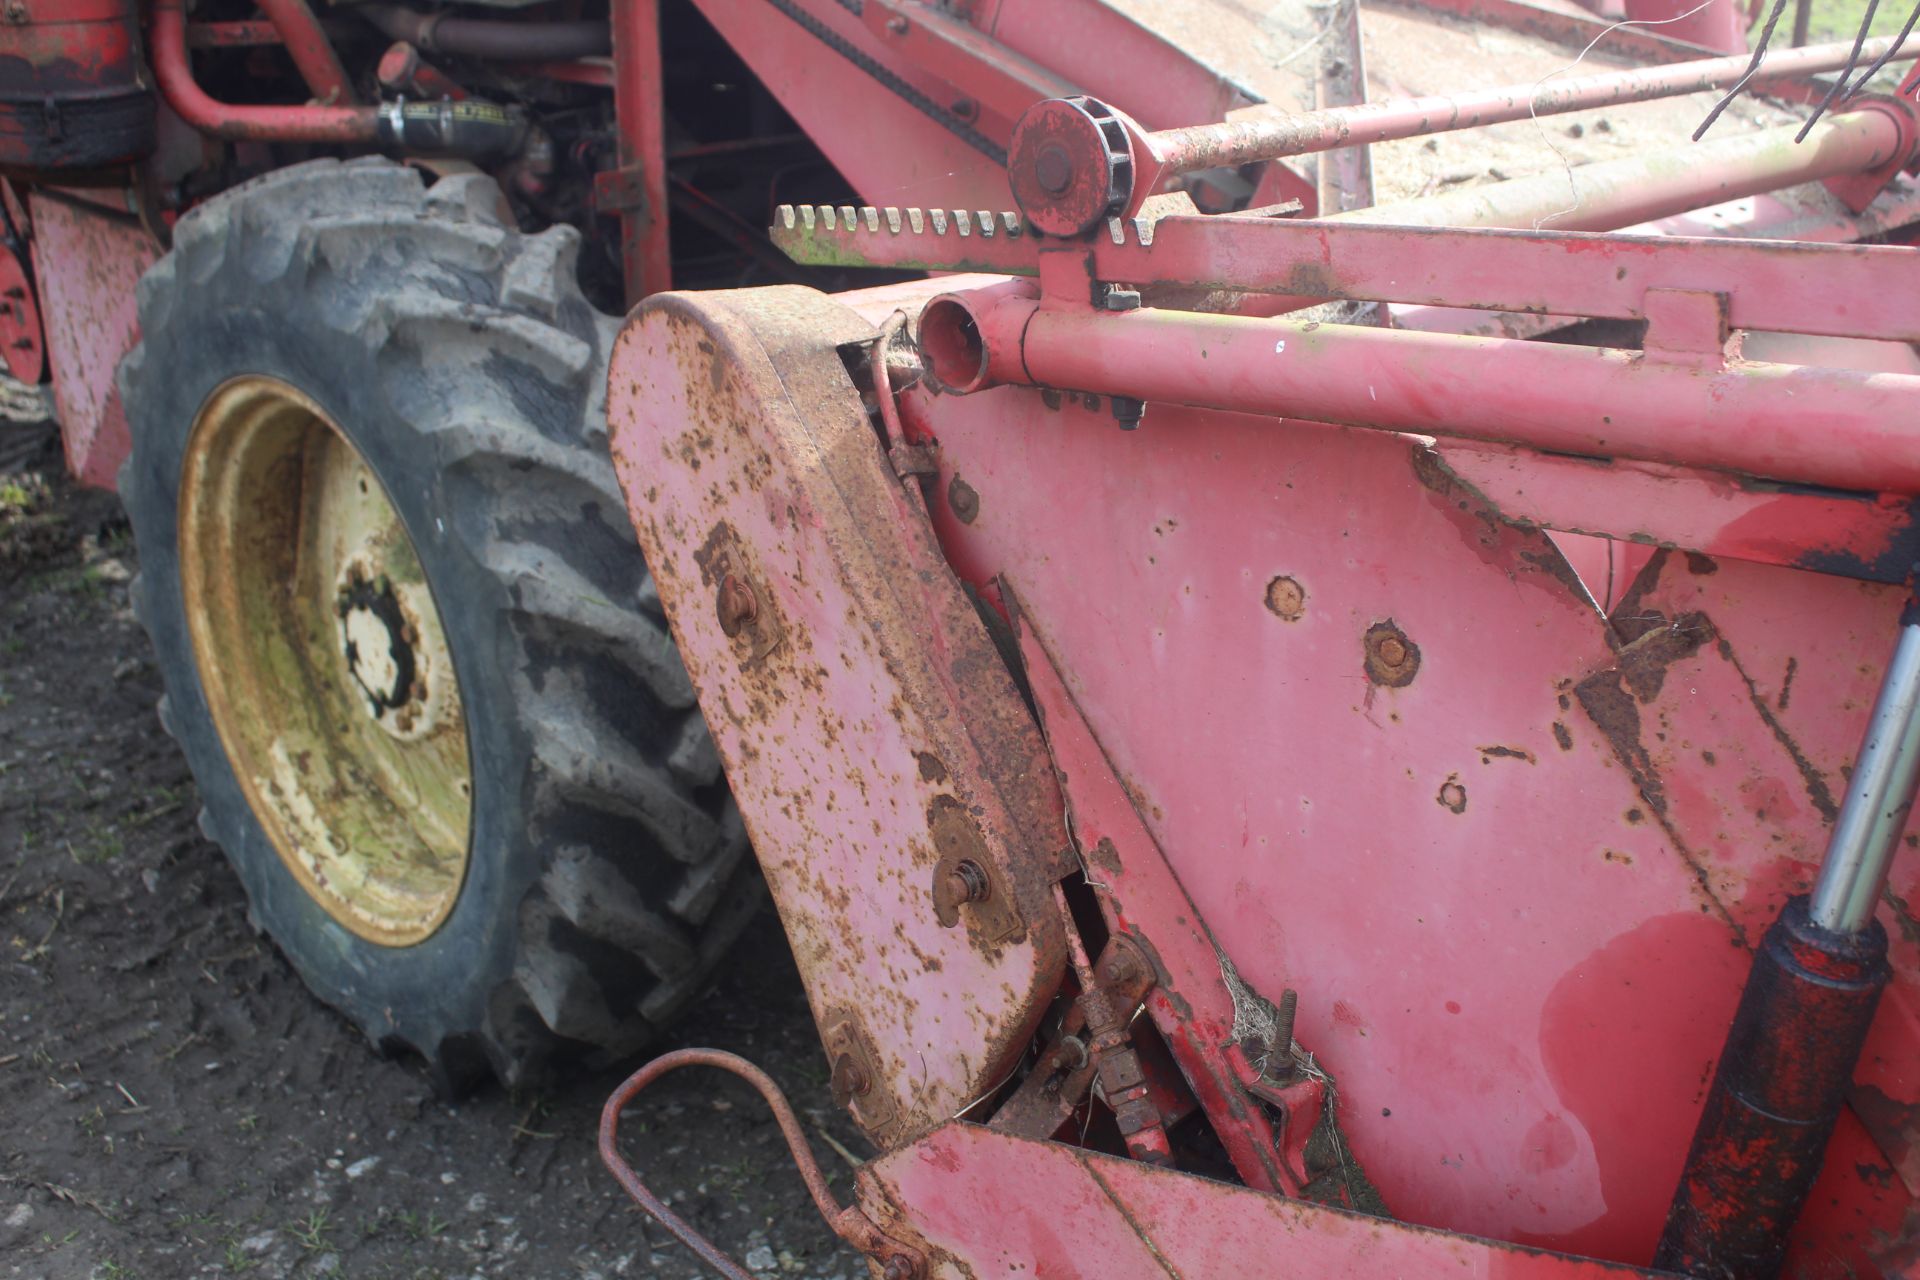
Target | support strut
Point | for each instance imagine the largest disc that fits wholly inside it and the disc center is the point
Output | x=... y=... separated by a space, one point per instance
x=1809 y=1002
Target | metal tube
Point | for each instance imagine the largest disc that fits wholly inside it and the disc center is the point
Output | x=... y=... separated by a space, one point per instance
x=311 y=52
x=1879 y=796
x=1617 y=193
x=1261 y=136
x=640 y=184
x=1748 y=418
x=174 y=74
x=491 y=38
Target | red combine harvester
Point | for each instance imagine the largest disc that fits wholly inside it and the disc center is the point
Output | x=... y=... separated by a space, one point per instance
x=1338 y=692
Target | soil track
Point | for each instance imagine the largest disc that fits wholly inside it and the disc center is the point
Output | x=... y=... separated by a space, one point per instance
x=175 y=1103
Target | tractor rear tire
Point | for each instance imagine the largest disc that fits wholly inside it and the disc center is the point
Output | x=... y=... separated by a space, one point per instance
x=376 y=517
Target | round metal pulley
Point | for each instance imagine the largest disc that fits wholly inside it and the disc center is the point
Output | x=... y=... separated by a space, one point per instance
x=1071 y=165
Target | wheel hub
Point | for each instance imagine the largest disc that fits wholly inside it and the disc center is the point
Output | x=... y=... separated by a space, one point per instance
x=324 y=661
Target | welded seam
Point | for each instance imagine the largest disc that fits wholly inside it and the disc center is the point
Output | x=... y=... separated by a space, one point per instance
x=1126 y=1215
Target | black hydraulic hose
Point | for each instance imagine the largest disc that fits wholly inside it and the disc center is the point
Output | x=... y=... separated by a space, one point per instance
x=492 y=39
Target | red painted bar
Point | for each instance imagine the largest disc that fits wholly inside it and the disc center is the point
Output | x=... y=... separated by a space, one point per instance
x=643 y=166
x=1834 y=427
x=1261 y=136
x=278 y=124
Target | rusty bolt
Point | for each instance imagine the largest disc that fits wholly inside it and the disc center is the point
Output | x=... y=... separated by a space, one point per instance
x=1391 y=658
x=736 y=604
x=1053 y=169
x=1117 y=968
x=897 y=24
x=16 y=12
x=850 y=1079
x=898 y=1268
x=968 y=883
x=966 y=109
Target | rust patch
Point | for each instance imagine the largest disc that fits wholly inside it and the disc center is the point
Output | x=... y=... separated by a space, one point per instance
x=1452 y=796
x=1810 y=776
x=1894 y=1126
x=1105 y=857
x=1489 y=754
x=1390 y=658
x=1286 y=599
x=962 y=500
x=1561 y=736
x=931 y=769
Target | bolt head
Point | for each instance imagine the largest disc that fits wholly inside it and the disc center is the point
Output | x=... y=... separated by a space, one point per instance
x=1053 y=170
x=735 y=604
x=1392 y=652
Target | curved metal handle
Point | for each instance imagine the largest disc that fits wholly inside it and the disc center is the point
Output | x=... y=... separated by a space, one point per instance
x=899 y=1261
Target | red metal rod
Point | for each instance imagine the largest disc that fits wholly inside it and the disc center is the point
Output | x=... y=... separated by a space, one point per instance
x=311 y=51
x=849 y=1223
x=190 y=102
x=1833 y=427
x=1616 y=193
x=642 y=186
x=1272 y=137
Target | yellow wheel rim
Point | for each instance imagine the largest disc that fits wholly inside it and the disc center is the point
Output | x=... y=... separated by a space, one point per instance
x=324 y=661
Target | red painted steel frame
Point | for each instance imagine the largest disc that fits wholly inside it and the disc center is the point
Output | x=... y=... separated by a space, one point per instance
x=638 y=189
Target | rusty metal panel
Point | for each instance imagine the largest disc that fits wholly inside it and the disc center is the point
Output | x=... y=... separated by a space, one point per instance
x=88 y=265
x=988 y=1204
x=1432 y=842
x=871 y=732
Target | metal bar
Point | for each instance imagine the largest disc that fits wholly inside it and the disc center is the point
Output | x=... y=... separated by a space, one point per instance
x=1833 y=427
x=1613 y=193
x=1258 y=135
x=637 y=85
x=1345 y=176
x=1837 y=290
x=311 y=51
x=174 y=74
x=1879 y=795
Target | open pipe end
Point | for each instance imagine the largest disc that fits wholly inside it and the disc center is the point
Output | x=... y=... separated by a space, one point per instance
x=950 y=343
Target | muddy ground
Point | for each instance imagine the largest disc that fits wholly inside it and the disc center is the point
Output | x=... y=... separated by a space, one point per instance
x=173 y=1102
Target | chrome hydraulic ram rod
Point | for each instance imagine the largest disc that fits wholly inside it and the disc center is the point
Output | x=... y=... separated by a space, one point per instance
x=1804 y=1016
x=1259 y=135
